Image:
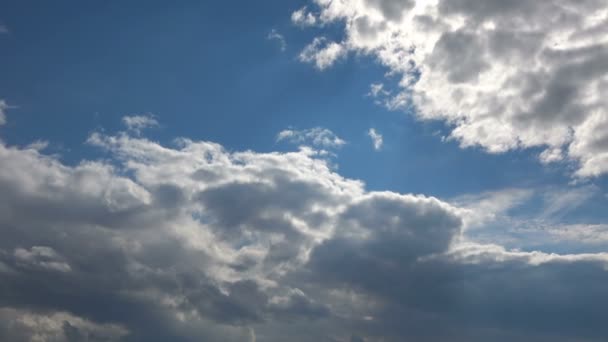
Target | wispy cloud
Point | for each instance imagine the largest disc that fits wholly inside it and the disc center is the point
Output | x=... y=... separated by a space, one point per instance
x=137 y=123
x=377 y=139
x=3 y=108
x=318 y=137
x=275 y=35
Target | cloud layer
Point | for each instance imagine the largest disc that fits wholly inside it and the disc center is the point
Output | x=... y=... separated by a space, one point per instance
x=503 y=74
x=192 y=242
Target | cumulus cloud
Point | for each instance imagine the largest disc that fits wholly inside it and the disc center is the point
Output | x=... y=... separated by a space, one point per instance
x=317 y=137
x=322 y=53
x=303 y=17
x=275 y=35
x=376 y=137
x=137 y=123
x=503 y=75
x=192 y=242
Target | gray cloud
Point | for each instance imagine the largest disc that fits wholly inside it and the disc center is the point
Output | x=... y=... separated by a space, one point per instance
x=199 y=243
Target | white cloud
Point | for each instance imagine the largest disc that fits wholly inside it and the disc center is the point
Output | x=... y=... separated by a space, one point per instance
x=137 y=123
x=321 y=53
x=505 y=75
x=302 y=17
x=551 y=155
x=376 y=137
x=275 y=35
x=317 y=137
x=3 y=29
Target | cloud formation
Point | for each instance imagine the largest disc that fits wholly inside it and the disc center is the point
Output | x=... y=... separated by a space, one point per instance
x=3 y=108
x=317 y=137
x=322 y=53
x=504 y=75
x=137 y=123
x=192 y=242
x=275 y=35
x=377 y=139
x=302 y=17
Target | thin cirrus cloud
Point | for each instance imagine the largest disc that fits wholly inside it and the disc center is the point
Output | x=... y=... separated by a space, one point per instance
x=194 y=242
x=504 y=74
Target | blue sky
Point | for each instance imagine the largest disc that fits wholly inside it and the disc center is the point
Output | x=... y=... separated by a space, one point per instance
x=237 y=75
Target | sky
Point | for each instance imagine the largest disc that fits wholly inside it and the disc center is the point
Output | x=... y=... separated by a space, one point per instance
x=311 y=170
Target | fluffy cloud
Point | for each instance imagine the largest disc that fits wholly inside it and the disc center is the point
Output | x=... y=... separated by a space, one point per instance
x=137 y=123
x=302 y=17
x=316 y=137
x=503 y=74
x=192 y=242
x=322 y=53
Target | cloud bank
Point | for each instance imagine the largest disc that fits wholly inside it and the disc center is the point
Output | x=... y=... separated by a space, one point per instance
x=503 y=75
x=192 y=242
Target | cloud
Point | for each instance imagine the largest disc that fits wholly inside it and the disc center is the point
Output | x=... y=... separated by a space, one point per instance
x=41 y=256
x=22 y=326
x=275 y=35
x=321 y=53
x=3 y=108
x=302 y=17
x=317 y=137
x=3 y=29
x=192 y=242
x=547 y=218
x=503 y=75
x=137 y=123
x=376 y=137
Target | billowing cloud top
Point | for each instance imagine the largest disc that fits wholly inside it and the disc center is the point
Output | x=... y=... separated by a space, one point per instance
x=503 y=74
